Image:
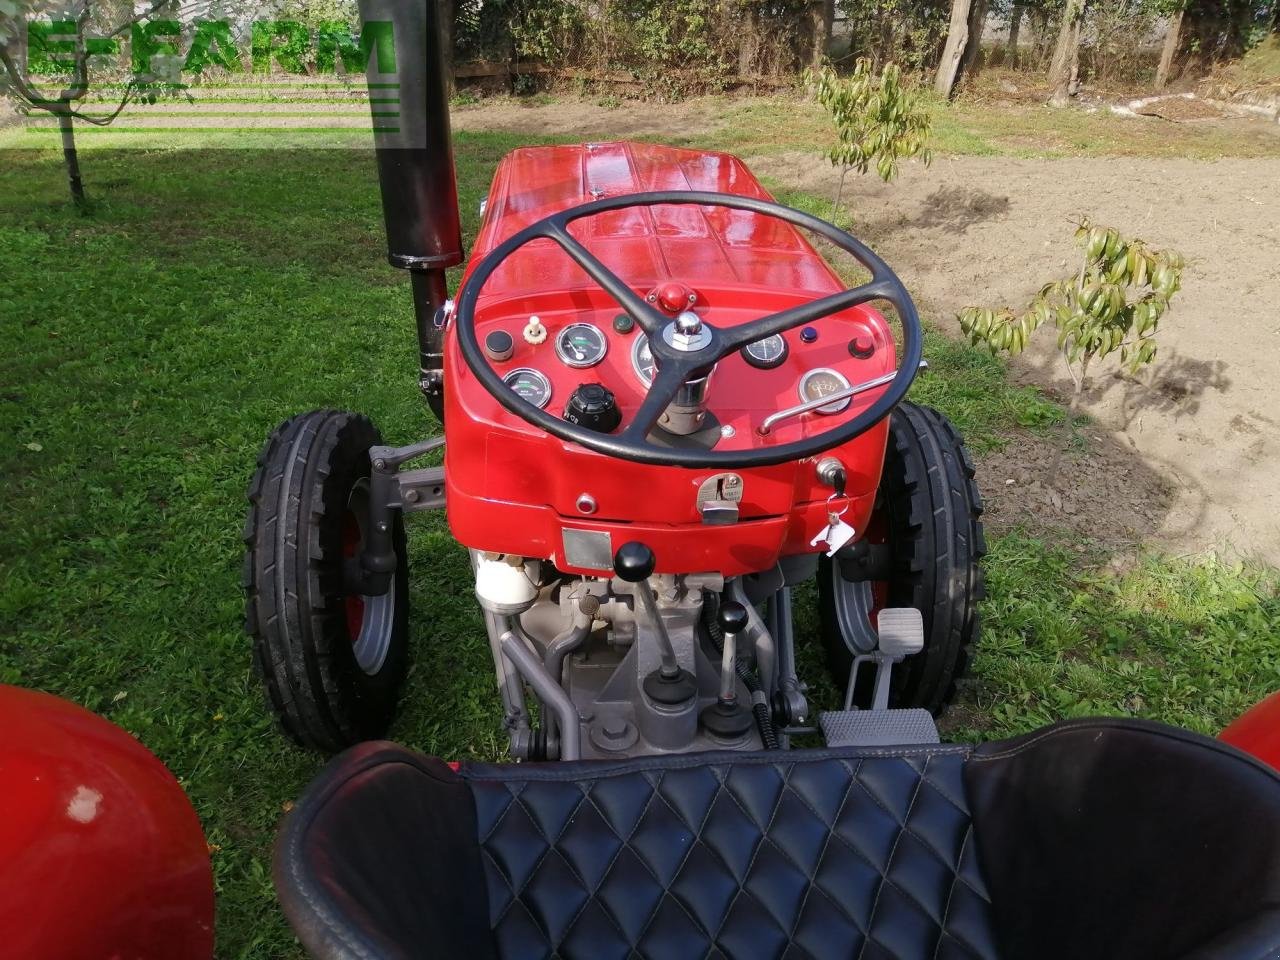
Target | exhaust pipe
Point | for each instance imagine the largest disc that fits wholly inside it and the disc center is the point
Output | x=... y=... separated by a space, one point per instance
x=415 y=166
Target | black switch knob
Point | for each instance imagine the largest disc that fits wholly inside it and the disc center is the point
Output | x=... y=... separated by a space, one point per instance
x=592 y=405
x=732 y=617
x=499 y=345
x=634 y=562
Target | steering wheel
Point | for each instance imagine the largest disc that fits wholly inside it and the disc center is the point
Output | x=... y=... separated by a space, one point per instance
x=674 y=365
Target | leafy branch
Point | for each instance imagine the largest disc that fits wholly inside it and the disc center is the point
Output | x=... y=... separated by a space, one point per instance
x=1112 y=306
x=878 y=122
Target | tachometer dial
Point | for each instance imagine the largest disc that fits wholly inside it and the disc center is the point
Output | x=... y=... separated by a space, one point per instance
x=642 y=359
x=581 y=345
x=529 y=385
x=767 y=353
x=823 y=382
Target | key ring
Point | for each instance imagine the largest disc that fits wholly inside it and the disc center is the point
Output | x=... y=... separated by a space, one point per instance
x=836 y=496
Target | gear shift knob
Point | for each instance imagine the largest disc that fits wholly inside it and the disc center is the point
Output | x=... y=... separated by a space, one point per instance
x=634 y=562
x=732 y=617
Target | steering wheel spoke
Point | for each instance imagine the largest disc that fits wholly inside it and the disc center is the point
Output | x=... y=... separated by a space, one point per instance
x=743 y=334
x=662 y=391
x=649 y=319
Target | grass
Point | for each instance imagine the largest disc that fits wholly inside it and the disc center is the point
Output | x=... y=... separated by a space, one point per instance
x=769 y=125
x=152 y=344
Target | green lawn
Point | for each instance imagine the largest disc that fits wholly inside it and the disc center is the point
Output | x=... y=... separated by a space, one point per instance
x=151 y=345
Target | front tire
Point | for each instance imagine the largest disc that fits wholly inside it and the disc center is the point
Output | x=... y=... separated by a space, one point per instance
x=928 y=514
x=332 y=661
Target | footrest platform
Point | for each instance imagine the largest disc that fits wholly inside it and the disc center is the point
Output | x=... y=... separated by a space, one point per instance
x=877 y=728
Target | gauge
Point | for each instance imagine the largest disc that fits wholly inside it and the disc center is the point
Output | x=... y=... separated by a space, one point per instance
x=642 y=359
x=581 y=345
x=529 y=385
x=823 y=382
x=767 y=353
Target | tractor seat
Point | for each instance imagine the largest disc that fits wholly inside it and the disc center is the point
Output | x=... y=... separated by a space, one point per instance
x=1086 y=840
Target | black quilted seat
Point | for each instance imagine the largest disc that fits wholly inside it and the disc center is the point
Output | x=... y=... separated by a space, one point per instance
x=1086 y=840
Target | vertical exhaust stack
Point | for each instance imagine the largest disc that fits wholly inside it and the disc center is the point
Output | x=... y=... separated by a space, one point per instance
x=415 y=163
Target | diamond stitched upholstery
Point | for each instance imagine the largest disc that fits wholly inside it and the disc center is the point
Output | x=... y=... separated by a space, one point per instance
x=850 y=854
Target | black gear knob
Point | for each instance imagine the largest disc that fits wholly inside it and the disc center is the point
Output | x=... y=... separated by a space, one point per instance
x=634 y=562
x=732 y=617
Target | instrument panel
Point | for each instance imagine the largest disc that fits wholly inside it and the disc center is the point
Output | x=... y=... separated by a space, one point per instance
x=545 y=358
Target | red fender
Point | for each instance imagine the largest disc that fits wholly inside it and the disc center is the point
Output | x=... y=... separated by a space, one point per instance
x=1257 y=731
x=101 y=852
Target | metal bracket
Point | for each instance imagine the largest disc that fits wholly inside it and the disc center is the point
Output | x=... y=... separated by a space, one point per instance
x=718 y=498
x=386 y=493
x=421 y=489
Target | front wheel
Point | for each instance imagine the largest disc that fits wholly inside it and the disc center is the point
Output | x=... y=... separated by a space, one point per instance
x=332 y=660
x=927 y=528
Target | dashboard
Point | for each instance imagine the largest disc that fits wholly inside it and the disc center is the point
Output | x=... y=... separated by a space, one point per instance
x=546 y=356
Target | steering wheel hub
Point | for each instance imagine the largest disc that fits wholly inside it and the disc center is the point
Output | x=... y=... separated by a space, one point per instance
x=687 y=333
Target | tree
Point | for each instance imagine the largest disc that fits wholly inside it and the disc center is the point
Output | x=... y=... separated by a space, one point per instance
x=877 y=120
x=63 y=48
x=821 y=18
x=1113 y=304
x=1015 y=32
x=1172 y=40
x=1065 y=66
x=953 y=51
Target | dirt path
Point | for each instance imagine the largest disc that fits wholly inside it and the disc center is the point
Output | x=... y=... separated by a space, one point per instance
x=991 y=230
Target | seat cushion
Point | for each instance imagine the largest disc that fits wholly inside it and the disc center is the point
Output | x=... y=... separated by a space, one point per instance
x=1099 y=839
x=1128 y=839
x=845 y=853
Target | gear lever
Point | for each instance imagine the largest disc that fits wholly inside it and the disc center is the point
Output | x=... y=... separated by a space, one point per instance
x=670 y=683
x=726 y=718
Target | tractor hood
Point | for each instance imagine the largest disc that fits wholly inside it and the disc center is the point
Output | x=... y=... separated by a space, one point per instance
x=704 y=247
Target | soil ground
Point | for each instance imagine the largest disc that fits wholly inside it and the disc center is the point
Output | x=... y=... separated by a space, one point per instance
x=1189 y=457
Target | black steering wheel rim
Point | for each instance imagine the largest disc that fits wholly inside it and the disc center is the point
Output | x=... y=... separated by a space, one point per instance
x=884 y=285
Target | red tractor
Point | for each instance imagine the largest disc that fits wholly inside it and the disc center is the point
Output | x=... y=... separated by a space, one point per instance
x=663 y=410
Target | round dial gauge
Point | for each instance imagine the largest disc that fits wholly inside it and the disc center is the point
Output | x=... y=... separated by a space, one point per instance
x=642 y=359
x=767 y=353
x=529 y=385
x=581 y=345
x=823 y=382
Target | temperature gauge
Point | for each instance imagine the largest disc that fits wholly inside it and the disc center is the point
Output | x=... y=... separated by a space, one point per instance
x=581 y=345
x=529 y=385
x=642 y=360
x=823 y=382
x=767 y=353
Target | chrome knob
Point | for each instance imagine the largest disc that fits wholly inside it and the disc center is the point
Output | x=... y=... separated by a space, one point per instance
x=688 y=324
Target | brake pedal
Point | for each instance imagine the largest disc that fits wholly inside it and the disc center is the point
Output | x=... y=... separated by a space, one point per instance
x=900 y=633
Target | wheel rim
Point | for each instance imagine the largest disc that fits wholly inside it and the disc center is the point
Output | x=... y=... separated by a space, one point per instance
x=856 y=607
x=370 y=620
x=859 y=604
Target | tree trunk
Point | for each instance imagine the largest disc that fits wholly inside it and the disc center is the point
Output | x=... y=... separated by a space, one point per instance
x=448 y=14
x=69 y=154
x=1015 y=28
x=749 y=44
x=957 y=38
x=821 y=15
x=972 y=57
x=1066 y=54
x=1172 y=40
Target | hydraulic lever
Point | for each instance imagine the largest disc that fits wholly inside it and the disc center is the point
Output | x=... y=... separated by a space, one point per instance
x=670 y=683
x=726 y=718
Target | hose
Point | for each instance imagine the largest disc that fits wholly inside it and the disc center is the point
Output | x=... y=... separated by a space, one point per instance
x=759 y=704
